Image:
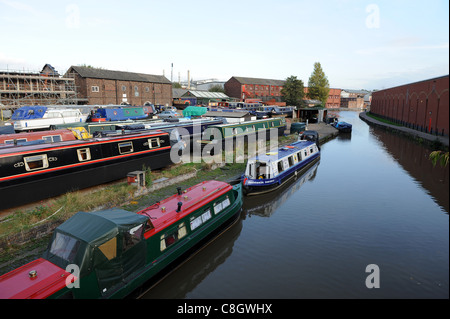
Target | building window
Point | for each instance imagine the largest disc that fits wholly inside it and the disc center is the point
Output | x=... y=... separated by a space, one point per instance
x=147 y=89
x=124 y=88
x=95 y=89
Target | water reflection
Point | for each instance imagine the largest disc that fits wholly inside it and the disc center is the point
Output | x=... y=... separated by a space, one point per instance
x=414 y=159
x=265 y=205
x=184 y=279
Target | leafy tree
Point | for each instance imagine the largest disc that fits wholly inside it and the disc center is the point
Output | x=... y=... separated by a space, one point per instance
x=176 y=85
x=293 y=91
x=217 y=88
x=318 y=85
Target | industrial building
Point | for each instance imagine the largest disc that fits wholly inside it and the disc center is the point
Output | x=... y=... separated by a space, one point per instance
x=423 y=106
x=102 y=87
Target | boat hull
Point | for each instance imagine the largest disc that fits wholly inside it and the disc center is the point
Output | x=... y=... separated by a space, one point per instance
x=66 y=173
x=261 y=186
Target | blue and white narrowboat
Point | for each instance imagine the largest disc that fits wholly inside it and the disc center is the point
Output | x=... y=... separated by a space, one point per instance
x=269 y=171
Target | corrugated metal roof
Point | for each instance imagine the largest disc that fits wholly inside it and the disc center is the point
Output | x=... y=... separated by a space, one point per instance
x=258 y=81
x=86 y=72
x=207 y=94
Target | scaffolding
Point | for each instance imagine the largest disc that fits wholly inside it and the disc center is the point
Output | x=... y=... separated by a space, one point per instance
x=36 y=88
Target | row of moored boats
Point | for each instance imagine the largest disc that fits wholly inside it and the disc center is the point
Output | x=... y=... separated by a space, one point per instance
x=110 y=253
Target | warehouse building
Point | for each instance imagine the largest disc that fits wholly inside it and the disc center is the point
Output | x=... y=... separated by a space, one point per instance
x=423 y=106
x=102 y=87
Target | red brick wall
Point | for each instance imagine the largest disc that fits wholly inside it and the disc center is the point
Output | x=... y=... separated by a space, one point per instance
x=113 y=91
x=423 y=106
x=233 y=88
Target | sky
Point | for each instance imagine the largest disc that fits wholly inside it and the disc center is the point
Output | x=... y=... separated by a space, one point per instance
x=359 y=44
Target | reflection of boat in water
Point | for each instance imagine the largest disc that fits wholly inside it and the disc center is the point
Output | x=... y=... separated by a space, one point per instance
x=188 y=276
x=267 y=204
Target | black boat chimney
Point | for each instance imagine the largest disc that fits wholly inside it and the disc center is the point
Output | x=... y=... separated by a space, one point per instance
x=179 y=207
x=179 y=190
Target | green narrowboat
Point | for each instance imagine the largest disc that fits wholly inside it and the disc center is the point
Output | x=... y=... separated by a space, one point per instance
x=218 y=135
x=111 y=253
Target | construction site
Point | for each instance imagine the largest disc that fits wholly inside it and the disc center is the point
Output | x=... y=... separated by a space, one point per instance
x=48 y=87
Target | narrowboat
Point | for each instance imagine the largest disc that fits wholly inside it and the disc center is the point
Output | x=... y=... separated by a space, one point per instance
x=269 y=171
x=29 y=118
x=216 y=136
x=50 y=136
x=274 y=110
x=343 y=127
x=35 y=172
x=108 y=254
x=106 y=114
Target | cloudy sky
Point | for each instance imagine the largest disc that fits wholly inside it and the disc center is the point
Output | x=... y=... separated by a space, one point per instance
x=360 y=44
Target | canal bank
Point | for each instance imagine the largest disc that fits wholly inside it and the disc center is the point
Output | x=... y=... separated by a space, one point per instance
x=429 y=138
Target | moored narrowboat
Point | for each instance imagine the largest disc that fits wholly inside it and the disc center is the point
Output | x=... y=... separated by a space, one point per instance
x=111 y=253
x=117 y=114
x=215 y=137
x=34 y=172
x=343 y=127
x=271 y=170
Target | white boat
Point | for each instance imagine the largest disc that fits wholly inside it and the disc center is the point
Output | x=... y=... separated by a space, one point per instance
x=29 y=118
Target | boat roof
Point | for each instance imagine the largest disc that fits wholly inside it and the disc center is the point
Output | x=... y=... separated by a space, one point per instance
x=14 y=150
x=284 y=151
x=163 y=213
x=246 y=122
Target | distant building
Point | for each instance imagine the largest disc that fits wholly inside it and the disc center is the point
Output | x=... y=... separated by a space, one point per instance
x=353 y=99
x=197 y=97
x=102 y=87
x=423 y=106
x=254 y=88
x=333 y=101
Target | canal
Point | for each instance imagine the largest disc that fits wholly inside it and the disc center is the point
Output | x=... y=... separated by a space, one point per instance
x=373 y=199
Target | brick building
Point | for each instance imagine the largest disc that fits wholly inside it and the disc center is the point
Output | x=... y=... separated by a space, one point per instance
x=334 y=98
x=101 y=87
x=423 y=105
x=254 y=88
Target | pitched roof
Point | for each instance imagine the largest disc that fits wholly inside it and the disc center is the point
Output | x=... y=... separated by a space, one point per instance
x=87 y=72
x=258 y=81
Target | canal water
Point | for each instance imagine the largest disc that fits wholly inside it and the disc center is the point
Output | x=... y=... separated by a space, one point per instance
x=372 y=213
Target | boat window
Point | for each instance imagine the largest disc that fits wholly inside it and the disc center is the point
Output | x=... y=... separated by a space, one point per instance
x=65 y=247
x=299 y=156
x=305 y=152
x=126 y=147
x=272 y=124
x=311 y=150
x=109 y=248
x=84 y=154
x=18 y=140
x=291 y=161
x=171 y=238
x=197 y=221
x=153 y=142
x=220 y=206
x=280 y=166
x=36 y=162
x=52 y=138
x=132 y=237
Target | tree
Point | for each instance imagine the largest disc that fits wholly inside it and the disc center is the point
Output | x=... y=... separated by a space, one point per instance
x=318 y=85
x=293 y=91
x=216 y=88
